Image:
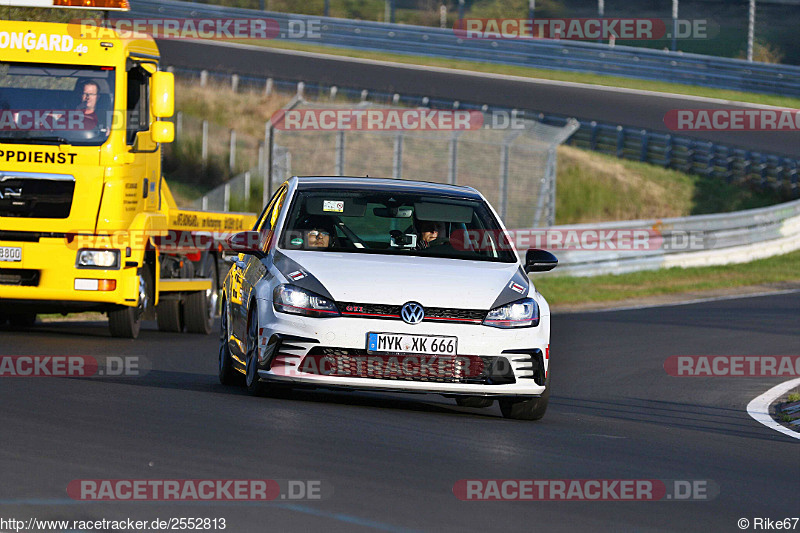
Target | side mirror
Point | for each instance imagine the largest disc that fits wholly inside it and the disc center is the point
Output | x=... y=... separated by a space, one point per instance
x=162 y=94
x=162 y=132
x=537 y=260
x=245 y=242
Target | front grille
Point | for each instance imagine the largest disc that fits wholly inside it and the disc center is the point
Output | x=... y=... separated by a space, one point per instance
x=344 y=362
x=35 y=198
x=392 y=312
x=19 y=276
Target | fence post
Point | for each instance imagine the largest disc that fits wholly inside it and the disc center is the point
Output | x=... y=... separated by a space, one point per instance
x=266 y=193
x=232 y=155
x=339 y=170
x=300 y=89
x=260 y=158
x=205 y=203
x=226 y=202
x=504 y=152
x=268 y=87
x=452 y=167
x=235 y=82
x=397 y=160
x=334 y=91
x=179 y=126
x=203 y=78
x=645 y=142
x=364 y=95
x=204 y=149
x=246 y=190
x=620 y=142
x=593 y=135
x=668 y=152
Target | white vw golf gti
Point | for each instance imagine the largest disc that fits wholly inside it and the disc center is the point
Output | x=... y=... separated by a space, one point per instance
x=382 y=284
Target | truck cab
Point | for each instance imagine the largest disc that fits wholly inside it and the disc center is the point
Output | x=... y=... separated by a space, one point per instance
x=82 y=199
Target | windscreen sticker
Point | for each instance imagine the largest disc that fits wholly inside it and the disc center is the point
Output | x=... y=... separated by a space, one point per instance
x=333 y=206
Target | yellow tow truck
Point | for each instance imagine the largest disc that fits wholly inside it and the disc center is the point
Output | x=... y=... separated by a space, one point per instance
x=87 y=222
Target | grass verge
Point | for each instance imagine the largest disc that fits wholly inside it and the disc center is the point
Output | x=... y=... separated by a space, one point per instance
x=639 y=285
x=556 y=75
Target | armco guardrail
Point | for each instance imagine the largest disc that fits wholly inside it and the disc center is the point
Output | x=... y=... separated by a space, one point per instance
x=669 y=151
x=701 y=240
x=627 y=61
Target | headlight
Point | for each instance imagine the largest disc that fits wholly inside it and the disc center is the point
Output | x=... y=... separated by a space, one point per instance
x=519 y=314
x=297 y=301
x=97 y=259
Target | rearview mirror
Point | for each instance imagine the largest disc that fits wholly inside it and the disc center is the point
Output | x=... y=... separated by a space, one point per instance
x=537 y=260
x=162 y=94
x=162 y=132
x=245 y=242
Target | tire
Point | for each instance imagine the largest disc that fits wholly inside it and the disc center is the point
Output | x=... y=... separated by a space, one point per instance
x=531 y=409
x=474 y=401
x=252 y=382
x=200 y=308
x=227 y=374
x=169 y=315
x=21 y=320
x=127 y=321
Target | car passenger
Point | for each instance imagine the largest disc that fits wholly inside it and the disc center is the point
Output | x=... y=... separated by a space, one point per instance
x=428 y=234
x=318 y=232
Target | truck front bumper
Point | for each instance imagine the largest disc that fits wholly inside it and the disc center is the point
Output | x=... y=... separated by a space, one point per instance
x=47 y=274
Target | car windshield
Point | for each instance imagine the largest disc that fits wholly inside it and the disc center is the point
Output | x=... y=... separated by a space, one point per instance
x=49 y=104
x=398 y=223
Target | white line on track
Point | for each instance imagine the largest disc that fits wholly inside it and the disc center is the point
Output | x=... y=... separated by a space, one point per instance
x=759 y=407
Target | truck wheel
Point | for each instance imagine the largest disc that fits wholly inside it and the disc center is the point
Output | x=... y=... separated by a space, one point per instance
x=169 y=316
x=200 y=308
x=474 y=401
x=22 y=320
x=127 y=322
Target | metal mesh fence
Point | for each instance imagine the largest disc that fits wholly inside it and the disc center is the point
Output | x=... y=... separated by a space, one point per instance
x=512 y=162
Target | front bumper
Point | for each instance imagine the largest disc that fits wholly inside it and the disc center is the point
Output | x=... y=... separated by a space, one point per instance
x=288 y=342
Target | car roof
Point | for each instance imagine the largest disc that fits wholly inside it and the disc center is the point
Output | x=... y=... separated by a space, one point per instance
x=305 y=183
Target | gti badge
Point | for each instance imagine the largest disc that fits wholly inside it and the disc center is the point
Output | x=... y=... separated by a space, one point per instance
x=412 y=313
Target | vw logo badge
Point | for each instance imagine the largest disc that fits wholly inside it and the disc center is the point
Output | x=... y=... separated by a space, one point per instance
x=412 y=313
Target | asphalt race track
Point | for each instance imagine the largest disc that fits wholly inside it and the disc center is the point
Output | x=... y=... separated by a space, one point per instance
x=392 y=460
x=605 y=104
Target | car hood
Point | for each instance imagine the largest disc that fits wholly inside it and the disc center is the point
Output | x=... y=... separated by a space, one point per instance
x=395 y=280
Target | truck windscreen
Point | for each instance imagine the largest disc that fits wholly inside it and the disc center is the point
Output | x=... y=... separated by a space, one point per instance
x=63 y=104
